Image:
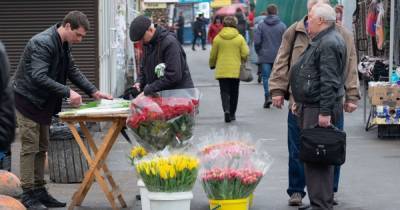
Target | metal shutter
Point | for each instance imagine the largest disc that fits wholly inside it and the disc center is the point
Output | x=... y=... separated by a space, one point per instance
x=21 y=19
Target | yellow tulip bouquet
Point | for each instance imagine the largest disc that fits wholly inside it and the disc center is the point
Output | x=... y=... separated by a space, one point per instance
x=137 y=152
x=172 y=173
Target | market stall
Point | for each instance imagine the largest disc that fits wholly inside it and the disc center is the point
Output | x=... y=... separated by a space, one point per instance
x=381 y=73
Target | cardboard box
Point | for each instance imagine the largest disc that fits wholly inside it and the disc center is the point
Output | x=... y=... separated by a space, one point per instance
x=384 y=94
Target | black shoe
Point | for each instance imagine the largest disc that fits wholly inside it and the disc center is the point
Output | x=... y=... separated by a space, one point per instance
x=46 y=199
x=305 y=207
x=233 y=117
x=267 y=102
x=335 y=201
x=259 y=79
x=204 y=48
x=227 y=117
x=138 y=197
x=29 y=200
x=194 y=49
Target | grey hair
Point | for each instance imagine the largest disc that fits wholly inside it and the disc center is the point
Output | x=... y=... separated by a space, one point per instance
x=324 y=11
x=311 y=3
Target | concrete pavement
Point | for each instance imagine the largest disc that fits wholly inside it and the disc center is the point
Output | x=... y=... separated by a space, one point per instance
x=370 y=178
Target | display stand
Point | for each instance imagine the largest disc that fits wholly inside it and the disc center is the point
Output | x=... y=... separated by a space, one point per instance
x=97 y=163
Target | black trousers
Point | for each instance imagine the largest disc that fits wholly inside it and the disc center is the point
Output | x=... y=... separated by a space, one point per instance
x=229 y=89
x=319 y=178
x=202 y=38
x=180 y=35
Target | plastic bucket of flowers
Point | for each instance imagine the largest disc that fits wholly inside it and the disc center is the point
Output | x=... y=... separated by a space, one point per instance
x=169 y=179
x=165 y=119
x=137 y=153
x=231 y=169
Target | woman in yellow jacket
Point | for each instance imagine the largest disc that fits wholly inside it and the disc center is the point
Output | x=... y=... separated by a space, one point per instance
x=228 y=50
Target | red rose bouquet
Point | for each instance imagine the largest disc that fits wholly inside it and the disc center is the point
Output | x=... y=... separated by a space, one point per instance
x=164 y=120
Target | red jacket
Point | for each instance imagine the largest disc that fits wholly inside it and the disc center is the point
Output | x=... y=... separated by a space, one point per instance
x=213 y=31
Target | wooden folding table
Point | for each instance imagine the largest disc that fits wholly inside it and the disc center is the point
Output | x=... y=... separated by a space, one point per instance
x=97 y=163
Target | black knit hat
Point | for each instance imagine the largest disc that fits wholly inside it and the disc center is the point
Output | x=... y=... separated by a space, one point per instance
x=139 y=27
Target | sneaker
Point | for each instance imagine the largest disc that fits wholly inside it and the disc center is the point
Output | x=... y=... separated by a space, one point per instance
x=29 y=200
x=295 y=199
x=46 y=199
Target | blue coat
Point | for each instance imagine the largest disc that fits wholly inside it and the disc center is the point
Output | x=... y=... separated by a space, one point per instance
x=268 y=38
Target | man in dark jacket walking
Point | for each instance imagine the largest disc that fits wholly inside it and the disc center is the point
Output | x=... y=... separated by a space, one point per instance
x=317 y=83
x=181 y=27
x=267 y=39
x=7 y=112
x=39 y=87
x=164 y=65
x=199 y=31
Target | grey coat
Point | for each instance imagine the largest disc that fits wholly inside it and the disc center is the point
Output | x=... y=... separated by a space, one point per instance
x=268 y=38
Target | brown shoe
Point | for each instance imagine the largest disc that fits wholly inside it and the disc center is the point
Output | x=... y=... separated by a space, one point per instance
x=295 y=199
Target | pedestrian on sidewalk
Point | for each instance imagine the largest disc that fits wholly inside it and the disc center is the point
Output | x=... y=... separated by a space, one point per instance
x=181 y=27
x=229 y=49
x=7 y=112
x=267 y=39
x=39 y=87
x=325 y=57
x=164 y=65
x=199 y=31
x=215 y=27
x=297 y=35
x=242 y=22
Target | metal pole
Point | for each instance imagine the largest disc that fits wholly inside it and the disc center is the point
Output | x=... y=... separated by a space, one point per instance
x=392 y=20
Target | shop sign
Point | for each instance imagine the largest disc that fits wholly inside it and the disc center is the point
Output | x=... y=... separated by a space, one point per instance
x=155 y=5
x=220 y=3
x=161 y=1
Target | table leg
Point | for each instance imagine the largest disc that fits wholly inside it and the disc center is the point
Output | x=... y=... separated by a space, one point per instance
x=95 y=164
x=107 y=172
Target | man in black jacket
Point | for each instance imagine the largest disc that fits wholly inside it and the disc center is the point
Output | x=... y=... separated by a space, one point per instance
x=317 y=84
x=199 y=31
x=164 y=65
x=7 y=112
x=39 y=87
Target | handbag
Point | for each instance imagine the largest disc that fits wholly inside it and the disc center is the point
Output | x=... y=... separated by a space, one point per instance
x=245 y=72
x=326 y=146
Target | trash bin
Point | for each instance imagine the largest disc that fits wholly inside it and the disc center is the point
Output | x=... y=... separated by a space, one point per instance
x=67 y=164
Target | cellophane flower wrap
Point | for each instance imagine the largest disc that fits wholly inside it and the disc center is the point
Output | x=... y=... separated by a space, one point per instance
x=166 y=119
x=168 y=173
x=232 y=167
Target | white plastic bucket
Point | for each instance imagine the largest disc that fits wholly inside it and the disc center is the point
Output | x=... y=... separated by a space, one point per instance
x=144 y=195
x=169 y=201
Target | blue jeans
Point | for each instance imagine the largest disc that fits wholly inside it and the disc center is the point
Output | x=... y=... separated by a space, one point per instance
x=266 y=72
x=297 y=180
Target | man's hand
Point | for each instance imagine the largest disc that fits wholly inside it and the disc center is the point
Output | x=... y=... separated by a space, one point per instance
x=324 y=121
x=349 y=106
x=99 y=95
x=277 y=101
x=137 y=86
x=74 y=98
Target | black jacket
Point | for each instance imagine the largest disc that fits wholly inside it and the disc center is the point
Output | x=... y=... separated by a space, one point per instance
x=7 y=110
x=164 y=48
x=318 y=76
x=199 y=26
x=38 y=76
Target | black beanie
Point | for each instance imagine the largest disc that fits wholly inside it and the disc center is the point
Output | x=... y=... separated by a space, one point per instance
x=139 y=27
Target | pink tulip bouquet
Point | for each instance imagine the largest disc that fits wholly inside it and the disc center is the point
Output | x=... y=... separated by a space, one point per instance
x=231 y=169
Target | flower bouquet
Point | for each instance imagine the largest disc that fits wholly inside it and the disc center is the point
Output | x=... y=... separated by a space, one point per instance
x=231 y=167
x=166 y=119
x=172 y=173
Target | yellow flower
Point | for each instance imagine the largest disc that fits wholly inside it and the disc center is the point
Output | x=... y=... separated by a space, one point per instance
x=138 y=152
x=172 y=173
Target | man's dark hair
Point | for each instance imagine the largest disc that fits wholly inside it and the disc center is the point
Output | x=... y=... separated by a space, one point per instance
x=76 y=19
x=272 y=9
